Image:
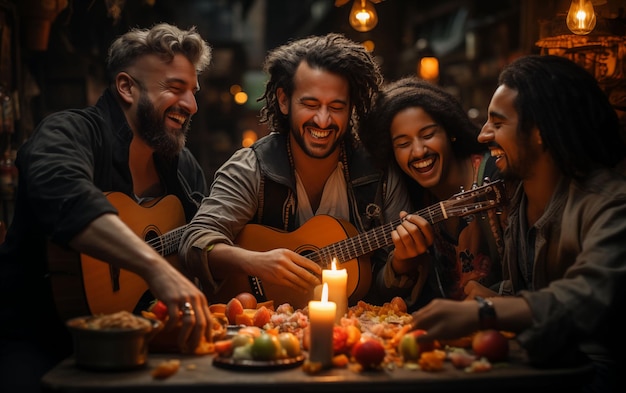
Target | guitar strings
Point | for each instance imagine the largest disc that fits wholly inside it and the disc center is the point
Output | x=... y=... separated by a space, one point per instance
x=168 y=242
x=348 y=249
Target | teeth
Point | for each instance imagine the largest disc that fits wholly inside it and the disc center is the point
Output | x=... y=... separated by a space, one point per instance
x=177 y=118
x=423 y=163
x=497 y=152
x=320 y=134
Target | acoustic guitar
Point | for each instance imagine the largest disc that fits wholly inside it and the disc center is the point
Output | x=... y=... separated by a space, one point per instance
x=323 y=238
x=83 y=285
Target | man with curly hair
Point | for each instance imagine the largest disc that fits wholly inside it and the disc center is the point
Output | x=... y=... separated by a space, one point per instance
x=310 y=164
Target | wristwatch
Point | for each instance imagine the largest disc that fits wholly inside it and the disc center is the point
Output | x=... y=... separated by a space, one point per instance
x=486 y=313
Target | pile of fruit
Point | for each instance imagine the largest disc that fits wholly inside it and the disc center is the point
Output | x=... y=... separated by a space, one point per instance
x=368 y=337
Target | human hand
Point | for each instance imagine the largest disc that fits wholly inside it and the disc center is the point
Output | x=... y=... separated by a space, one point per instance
x=187 y=307
x=287 y=268
x=411 y=239
x=473 y=289
x=446 y=319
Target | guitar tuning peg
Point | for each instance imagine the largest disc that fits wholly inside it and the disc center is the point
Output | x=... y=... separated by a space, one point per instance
x=462 y=189
x=486 y=180
x=474 y=186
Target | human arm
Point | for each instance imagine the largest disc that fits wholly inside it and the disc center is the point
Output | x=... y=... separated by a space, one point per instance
x=451 y=319
x=107 y=238
x=65 y=167
x=231 y=204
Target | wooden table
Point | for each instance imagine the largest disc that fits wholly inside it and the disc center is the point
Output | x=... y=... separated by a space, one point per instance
x=198 y=374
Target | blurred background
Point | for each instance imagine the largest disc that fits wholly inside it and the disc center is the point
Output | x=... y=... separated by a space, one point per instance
x=53 y=53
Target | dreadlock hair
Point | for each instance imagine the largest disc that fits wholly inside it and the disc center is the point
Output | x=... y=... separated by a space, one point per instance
x=575 y=119
x=163 y=40
x=333 y=53
x=410 y=92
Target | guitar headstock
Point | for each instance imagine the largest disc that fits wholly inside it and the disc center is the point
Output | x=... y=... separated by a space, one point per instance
x=488 y=196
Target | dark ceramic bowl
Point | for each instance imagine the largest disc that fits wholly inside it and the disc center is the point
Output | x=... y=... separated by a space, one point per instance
x=111 y=349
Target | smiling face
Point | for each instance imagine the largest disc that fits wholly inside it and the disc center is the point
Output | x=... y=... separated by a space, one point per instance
x=318 y=110
x=164 y=101
x=516 y=153
x=421 y=147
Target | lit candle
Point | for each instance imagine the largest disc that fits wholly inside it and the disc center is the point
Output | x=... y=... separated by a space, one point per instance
x=321 y=324
x=337 y=281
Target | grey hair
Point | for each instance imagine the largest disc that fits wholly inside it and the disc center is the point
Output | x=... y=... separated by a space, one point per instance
x=163 y=40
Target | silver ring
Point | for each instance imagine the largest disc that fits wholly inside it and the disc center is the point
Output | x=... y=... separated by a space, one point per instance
x=187 y=309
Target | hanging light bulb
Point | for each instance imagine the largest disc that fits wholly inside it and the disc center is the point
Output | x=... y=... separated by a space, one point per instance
x=363 y=16
x=581 y=19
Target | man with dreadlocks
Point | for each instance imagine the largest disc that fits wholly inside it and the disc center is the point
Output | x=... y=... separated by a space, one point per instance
x=552 y=128
x=310 y=164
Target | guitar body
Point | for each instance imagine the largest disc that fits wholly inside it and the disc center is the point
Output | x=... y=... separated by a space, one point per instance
x=83 y=285
x=323 y=238
x=318 y=232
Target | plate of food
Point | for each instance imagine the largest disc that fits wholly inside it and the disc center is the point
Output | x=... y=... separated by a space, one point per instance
x=261 y=365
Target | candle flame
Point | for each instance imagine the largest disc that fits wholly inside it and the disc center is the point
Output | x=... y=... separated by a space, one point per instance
x=333 y=264
x=325 y=292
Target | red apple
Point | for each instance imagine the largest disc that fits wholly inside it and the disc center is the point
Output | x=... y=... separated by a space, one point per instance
x=490 y=344
x=368 y=352
x=410 y=349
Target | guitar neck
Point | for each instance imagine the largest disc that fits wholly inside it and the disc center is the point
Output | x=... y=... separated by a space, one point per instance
x=379 y=237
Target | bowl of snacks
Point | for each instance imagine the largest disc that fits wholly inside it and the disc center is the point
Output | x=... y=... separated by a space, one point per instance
x=117 y=341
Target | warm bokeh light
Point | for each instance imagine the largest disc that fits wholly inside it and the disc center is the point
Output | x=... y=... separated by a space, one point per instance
x=429 y=68
x=369 y=45
x=241 y=98
x=248 y=138
x=234 y=89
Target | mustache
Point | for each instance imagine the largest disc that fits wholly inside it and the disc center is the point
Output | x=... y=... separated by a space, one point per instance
x=312 y=124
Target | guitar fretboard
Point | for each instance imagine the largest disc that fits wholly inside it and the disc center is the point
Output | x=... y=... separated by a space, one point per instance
x=371 y=240
x=458 y=206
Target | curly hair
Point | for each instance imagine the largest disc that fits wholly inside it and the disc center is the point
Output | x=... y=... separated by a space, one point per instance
x=575 y=119
x=332 y=52
x=163 y=40
x=409 y=92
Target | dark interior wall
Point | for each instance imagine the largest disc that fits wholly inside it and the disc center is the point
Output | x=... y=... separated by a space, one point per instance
x=70 y=72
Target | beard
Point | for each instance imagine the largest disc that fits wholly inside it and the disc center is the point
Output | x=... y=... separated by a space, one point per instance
x=527 y=156
x=299 y=138
x=154 y=132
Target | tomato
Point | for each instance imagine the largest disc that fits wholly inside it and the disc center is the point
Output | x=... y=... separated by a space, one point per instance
x=224 y=347
x=289 y=343
x=159 y=309
x=340 y=337
x=490 y=344
x=266 y=347
x=368 y=352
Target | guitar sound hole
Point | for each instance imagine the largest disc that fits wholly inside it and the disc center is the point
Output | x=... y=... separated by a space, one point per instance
x=152 y=238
